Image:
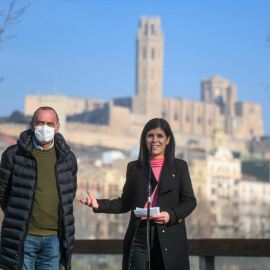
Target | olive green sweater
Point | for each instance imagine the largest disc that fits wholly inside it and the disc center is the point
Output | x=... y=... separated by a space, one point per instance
x=44 y=220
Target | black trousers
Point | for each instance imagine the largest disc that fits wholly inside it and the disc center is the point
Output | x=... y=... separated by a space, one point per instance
x=138 y=255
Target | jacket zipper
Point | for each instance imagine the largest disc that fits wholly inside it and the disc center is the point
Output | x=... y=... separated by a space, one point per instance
x=32 y=205
x=62 y=215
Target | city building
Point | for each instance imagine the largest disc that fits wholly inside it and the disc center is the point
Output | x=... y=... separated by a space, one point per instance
x=123 y=118
x=254 y=210
x=206 y=133
x=104 y=182
x=215 y=178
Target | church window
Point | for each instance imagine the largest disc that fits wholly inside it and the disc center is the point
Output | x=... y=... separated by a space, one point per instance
x=219 y=100
x=251 y=132
x=207 y=95
x=153 y=53
x=199 y=120
x=251 y=111
x=187 y=118
x=175 y=116
x=144 y=53
x=164 y=111
x=146 y=29
x=152 y=29
x=209 y=122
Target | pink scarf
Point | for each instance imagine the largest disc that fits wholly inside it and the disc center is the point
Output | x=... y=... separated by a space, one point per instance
x=157 y=166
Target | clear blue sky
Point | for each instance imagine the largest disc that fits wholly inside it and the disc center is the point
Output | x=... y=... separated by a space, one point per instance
x=88 y=49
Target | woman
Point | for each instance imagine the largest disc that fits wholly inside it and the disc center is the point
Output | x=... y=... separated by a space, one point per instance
x=172 y=192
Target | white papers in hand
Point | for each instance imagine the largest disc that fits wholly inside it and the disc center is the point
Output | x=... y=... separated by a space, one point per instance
x=142 y=212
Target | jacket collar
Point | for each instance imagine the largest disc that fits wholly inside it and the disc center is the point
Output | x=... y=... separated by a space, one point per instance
x=166 y=181
x=26 y=140
x=26 y=143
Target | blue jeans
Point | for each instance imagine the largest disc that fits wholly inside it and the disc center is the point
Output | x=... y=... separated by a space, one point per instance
x=42 y=253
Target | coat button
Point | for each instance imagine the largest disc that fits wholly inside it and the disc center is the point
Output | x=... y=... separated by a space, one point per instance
x=166 y=249
x=163 y=231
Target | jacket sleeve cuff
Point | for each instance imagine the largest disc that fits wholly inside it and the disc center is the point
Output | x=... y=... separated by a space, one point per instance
x=173 y=217
x=100 y=208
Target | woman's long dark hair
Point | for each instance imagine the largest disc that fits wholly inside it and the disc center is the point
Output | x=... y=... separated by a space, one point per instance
x=170 y=147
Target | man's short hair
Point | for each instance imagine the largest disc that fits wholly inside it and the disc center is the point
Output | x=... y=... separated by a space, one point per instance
x=45 y=108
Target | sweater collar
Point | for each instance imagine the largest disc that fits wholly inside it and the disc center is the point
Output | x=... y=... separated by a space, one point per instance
x=36 y=146
x=157 y=162
x=26 y=142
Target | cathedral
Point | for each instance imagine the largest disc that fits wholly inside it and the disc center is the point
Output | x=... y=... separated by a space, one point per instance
x=124 y=118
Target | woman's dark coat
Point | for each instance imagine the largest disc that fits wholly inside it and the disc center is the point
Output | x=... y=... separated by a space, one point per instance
x=18 y=181
x=175 y=197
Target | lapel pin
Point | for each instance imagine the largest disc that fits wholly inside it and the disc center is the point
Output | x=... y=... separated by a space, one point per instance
x=173 y=175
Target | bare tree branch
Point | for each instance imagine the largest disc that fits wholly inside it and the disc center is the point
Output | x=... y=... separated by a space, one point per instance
x=10 y=17
x=268 y=39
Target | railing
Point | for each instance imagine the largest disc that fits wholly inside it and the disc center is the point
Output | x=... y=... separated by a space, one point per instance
x=206 y=249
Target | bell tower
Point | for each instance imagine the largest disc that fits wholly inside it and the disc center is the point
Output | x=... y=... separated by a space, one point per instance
x=148 y=99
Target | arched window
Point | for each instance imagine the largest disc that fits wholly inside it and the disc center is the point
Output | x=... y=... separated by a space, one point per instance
x=208 y=95
x=175 y=115
x=152 y=29
x=164 y=111
x=144 y=53
x=146 y=29
x=153 y=53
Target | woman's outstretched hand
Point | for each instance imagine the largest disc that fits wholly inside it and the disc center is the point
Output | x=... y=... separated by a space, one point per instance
x=89 y=201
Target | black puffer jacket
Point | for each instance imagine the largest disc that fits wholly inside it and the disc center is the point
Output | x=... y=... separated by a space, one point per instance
x=18 y=181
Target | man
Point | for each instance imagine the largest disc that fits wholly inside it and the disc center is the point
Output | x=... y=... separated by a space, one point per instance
x=37 y=188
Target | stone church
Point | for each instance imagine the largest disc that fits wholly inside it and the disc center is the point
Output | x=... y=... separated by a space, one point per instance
x=91 y=121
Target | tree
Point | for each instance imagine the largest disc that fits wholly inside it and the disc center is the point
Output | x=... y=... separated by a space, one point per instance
x=9 y=17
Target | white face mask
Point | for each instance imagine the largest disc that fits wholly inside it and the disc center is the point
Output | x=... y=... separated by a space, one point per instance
x=44 y=134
